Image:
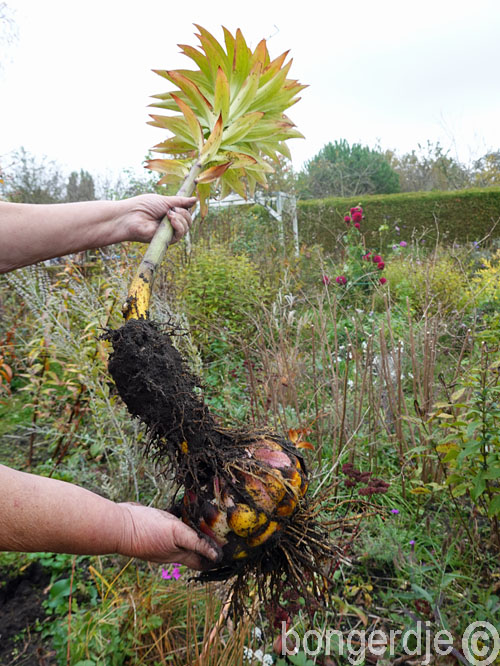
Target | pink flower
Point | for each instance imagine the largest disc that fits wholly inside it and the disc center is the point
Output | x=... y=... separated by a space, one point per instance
x=366 y=256
x=376 y=258
x=381 y=265
x=357 y=216
x=357 y=225
x=175 y=573
x=326 y=280
x=341 y=279
x=383 y=280
x=403 y=244
x=347 y=218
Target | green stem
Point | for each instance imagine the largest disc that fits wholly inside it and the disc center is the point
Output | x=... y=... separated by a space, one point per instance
x=139 y=294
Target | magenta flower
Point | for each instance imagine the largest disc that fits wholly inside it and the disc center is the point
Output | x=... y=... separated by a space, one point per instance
x=341 y=279
x=395 y=511
x=383 y=280
x=347 y=219
x=326 y=280
x=403 y=244
x=381 y=265
x=357 y=216
x=366 y=256
x=175 y=573
x=376 y=258
x=357 y=225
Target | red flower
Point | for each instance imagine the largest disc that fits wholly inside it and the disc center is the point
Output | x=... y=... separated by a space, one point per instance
x=326 y=280
x=357 y=225
x=347 y=218
x=357 y=216
x=341 y=279
x=381 y=265
x=376 y=258
x=383 y=280
x=366 y=256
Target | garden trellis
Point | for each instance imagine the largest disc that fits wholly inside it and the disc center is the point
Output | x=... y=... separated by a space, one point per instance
x=276 y=205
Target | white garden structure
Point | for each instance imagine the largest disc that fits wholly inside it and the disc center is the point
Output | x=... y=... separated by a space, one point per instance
x=276 y=204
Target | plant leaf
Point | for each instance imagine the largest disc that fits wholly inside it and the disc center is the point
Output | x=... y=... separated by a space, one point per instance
x=240 y=128
x=212 y=144
x=213 y=173
x=191 y=120
x=222 y=95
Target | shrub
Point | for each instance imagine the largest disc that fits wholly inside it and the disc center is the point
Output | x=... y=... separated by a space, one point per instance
x=461 y=215
x=430 y=283
x=218 y=290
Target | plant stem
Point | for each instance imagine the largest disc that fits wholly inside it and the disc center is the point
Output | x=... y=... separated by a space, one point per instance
x=139 y=294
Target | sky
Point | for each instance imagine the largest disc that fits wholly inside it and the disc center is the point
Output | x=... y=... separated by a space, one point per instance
x=76 y=82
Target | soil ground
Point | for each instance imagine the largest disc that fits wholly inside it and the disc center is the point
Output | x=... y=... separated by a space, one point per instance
x=21 y=597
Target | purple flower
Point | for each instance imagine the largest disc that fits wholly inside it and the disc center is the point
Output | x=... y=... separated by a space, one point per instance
x=412 y=542
x=395 y=511
x=403 y=244
x=175 y=573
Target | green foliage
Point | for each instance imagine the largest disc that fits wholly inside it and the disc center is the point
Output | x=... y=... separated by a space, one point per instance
x=342 y=170
x=219 y=290
x=469 y=424
x=461 y=216
x=430 y=168
x=80 y=186
x=31 y=180
x=430 y=282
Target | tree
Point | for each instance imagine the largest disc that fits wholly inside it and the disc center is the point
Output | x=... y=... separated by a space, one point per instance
x=343 y=170
x=80 y=187
x=430 y=168
x=31 y=180
x=486 y=170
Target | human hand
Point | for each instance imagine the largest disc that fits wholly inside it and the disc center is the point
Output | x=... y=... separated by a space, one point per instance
x=141 y=215
x=158 y=536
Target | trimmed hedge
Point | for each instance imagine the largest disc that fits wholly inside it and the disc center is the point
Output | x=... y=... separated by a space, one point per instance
x=459 y=215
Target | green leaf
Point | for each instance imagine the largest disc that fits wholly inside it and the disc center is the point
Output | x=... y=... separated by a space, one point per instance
x=191 y=90
x=216 y=55
x=494 y=507
x=422 y=593
x=199 y=58
x=191 y=120
x=173 y=146
x=222 y=95
x=240 y=128
x=479 y=487
x=233 y=178
x=212 y=144
x=241 y=62
x=175 y=124
x=175 y=167
x=247 y=93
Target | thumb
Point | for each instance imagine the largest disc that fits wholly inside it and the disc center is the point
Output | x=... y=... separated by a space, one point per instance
x=187 y=539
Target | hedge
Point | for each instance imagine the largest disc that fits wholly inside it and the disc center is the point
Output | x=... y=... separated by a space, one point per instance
x=459 y=215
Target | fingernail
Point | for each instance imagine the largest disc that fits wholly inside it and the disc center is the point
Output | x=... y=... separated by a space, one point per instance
x=214 y=555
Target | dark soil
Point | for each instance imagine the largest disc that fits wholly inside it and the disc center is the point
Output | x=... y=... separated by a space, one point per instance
x=21 y=597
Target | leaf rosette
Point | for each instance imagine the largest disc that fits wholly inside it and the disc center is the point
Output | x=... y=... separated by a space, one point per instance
x=228 y=116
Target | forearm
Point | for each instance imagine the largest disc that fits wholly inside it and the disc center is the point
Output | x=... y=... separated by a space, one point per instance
x=39 y=514
x=34 y=232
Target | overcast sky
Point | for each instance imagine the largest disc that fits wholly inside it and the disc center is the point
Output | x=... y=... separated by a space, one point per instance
x=76 y=85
